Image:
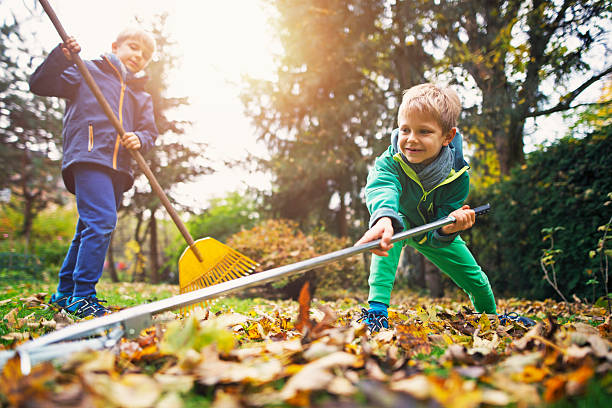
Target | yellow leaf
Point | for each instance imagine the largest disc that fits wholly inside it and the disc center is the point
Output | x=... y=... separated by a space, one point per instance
x=531 y=374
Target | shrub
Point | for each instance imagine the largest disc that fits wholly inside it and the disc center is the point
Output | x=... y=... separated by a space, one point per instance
x=275 y=243
x=564 y=185
x=52 y=232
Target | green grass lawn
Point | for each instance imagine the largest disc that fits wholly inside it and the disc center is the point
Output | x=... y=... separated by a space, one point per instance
x=18 y=295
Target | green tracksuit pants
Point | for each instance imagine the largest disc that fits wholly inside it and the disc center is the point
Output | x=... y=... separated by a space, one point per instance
x=455 y=260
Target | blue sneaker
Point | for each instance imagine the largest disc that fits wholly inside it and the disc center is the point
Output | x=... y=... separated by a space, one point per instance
x=373 y=319
x=513 y=316
x=86 y=306
x=59 y=299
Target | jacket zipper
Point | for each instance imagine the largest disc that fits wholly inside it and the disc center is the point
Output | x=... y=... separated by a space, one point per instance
x=118 y=139
x=413 y=176
x=90 y=145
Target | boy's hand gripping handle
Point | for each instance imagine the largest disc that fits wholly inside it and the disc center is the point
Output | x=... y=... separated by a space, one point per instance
x=117 y=125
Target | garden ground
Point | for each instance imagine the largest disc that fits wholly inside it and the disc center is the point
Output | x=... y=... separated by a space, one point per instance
x=259 y=352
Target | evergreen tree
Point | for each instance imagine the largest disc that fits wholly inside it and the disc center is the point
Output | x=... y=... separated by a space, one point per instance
x=324 y=112
x=30 y=133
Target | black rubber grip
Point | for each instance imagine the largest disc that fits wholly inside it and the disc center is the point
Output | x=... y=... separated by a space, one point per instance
x=483 y=209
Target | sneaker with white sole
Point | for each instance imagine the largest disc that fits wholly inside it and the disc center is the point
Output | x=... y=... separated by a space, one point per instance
x=87 y=306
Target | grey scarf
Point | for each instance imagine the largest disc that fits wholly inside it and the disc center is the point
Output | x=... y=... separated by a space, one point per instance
x=435 y=172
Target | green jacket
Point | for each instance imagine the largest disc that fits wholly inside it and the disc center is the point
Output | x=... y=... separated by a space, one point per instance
x=394 y=190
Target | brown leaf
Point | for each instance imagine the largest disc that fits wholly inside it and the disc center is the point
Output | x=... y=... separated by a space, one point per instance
x=130 y=390
x=34 y=300
x=329 y=317
x=413 y=338
x=19 y=389
x=418 y=386
x=11 y=318
x=471 y=371
x=577 y=380
x=538 y=330
x=98 y=361
x=62 y=319
x=16 y=336
x=374 y=371
x=226 y=400
x=316 y=375
x=458 y=354
x=341 y=386
x=555 y=388
x=5 y=301
x=304 y=324
x=174 y=383
x=213 y=371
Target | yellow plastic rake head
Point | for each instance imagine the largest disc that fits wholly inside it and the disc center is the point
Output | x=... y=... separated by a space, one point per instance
x=220 y=263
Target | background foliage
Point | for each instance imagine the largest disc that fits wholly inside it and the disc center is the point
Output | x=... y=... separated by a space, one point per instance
x=325 y=112
x=566 y=185
x=276 y=243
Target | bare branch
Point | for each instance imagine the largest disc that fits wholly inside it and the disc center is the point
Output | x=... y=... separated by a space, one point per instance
x=566 y=100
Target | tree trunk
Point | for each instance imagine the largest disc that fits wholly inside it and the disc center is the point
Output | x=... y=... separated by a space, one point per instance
x=411 y=269
x=111 y=262
x=154 y=275
x=342 y=221
x=433 y=279
x=28 y=219
x=367 y=257
x=419 y=279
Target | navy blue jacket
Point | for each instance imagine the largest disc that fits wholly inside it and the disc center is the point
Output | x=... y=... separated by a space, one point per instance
x=88 y=135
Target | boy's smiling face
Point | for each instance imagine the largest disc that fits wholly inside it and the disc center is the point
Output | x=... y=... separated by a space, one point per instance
x=133 y=53
x=421 y=137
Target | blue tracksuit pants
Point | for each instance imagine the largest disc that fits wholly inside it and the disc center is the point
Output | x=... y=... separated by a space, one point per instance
x=98 y=193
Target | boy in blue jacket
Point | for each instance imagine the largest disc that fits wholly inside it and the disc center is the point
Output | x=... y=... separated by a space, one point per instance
x=96 y=165
x=422 y=177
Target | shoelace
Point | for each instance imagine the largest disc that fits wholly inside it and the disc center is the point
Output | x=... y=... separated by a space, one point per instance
x=515 y=317
x=92 y=303
x=374 y=321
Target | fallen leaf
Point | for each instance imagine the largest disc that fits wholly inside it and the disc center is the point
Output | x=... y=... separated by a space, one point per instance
x=5 y=301
x=316 y=375
x=303 y=323
x=555 y=388
x=418 y=386
x=19 y=336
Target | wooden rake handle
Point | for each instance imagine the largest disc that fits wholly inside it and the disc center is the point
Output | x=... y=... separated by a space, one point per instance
x=117 y=125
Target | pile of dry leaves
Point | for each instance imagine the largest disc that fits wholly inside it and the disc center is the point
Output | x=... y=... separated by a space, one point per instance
x=317 y=355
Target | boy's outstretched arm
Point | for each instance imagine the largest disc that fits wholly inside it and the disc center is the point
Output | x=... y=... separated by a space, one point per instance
x=383 y=230
x=54 y=77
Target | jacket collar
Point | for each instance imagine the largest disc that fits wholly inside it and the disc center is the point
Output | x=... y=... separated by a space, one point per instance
x=111 y=63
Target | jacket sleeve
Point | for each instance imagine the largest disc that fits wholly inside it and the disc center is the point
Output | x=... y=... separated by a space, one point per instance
x=145 y=125
x=383 y=190
x=56 y=76
x=453 y=199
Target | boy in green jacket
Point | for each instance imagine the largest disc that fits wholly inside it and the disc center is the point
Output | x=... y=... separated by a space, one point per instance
x=422 y=177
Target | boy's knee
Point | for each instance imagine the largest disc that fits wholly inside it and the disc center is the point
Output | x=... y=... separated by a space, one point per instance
x=475 y=281
x=104 y=224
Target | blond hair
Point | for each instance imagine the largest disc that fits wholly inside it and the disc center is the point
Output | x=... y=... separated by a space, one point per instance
x=441 y=102
x=138 y=33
